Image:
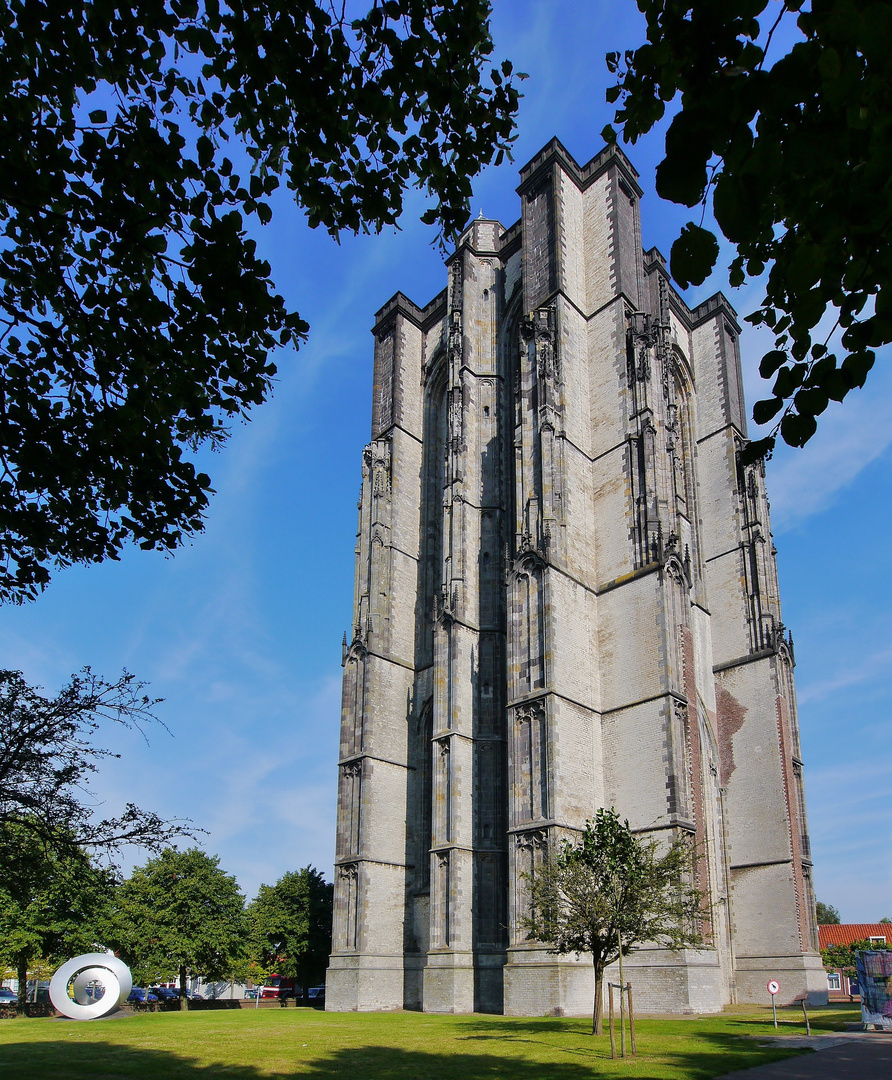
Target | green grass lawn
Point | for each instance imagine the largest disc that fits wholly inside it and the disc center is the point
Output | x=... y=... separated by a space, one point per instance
x=253 y=1044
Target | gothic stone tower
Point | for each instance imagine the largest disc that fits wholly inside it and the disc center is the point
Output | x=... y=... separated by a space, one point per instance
x=566 y=598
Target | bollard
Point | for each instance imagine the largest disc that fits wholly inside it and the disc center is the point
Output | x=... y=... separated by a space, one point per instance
x=805 y=1014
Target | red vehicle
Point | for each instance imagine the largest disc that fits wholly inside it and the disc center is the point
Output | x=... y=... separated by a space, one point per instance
x=277 y=986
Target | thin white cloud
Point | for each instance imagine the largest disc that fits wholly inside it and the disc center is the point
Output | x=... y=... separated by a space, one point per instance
x=44 y=661
x=271 y=776
x=857 y=776
x=848 y=815
x=868 y=670
x=850 y=436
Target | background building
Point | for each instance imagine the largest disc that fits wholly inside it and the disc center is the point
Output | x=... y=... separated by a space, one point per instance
x=566 y=598
x=842 y=984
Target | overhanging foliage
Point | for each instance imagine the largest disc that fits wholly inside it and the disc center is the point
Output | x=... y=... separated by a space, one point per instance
x=794 y=151
x=136 y=318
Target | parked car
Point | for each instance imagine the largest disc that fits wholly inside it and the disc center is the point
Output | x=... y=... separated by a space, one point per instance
x=7 y=996
x=139 y=996
x=279 y=986
x=39 y=990
x=316 y=996
x=172 y=993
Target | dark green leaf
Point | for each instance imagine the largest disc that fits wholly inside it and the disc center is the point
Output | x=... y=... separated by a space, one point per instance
x=763 y=411
x=771 y=361
x=789 y=379
x=757 y=450
x=856 y=366
x=693 y=255
x=796 y=430
x=811 y=401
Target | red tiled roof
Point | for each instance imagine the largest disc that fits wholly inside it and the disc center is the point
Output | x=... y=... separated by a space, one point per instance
x=847 y=933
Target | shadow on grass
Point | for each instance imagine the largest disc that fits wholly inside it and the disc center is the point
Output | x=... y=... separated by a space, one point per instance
x=106 y=1061
x=754 y=1025
x=110 y=1061
x=824 y=1019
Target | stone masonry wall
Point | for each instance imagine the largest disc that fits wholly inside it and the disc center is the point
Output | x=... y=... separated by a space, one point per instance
x=566 y=598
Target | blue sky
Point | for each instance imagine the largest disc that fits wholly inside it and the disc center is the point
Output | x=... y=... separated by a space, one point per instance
x=240 y=632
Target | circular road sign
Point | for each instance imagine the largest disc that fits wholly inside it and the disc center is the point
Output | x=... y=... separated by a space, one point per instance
x=773 y=987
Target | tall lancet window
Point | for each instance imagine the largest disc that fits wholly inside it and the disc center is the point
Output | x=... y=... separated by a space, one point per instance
x=353 y=702
x=425 y=752
x=678 y=431
x=433 y=481
x=681 y=444
x=528 y=628
x=349 y=810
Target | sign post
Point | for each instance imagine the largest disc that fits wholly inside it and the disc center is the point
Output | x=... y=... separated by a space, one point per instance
x=773 y=988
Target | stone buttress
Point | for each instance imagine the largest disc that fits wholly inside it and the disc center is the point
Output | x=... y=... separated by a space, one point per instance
x=566 y=598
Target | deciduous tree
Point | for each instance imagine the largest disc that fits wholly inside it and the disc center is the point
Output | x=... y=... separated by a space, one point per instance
x=51 y=902
x=784 y=128
x=48 y=753
x=140 y=143
x=179 y=913
x=826 y=914
x=291 y=926
x=613 y=891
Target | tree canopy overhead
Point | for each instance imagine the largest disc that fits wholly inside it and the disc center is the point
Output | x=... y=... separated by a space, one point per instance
x=136 y=318
x=790 y=143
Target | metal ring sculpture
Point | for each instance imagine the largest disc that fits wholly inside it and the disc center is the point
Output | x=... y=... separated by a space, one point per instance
x=78 y=974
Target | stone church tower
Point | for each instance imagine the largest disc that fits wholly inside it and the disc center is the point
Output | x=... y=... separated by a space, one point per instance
x=566 y=598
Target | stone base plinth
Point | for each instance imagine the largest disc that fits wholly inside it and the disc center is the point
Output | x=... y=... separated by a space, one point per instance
x=688 y=981
x=364 y=983
x=449 y=982
x=802 y=973
x=540 y=984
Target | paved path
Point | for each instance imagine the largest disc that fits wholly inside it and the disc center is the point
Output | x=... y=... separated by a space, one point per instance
x=863 y=1056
